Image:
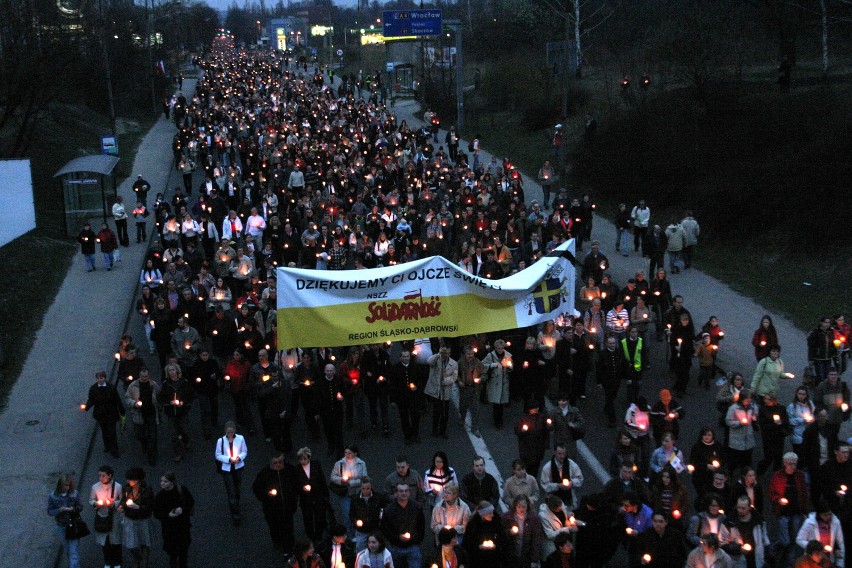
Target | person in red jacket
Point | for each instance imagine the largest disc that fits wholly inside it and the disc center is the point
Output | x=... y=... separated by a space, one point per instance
x=764 y=337
x=788 y=493
x=237 y=377
x=108 y=244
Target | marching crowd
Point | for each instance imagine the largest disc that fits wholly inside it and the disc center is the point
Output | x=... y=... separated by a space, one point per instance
x=300 y=173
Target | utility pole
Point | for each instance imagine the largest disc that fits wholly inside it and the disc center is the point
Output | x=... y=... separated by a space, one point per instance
x=149 y=19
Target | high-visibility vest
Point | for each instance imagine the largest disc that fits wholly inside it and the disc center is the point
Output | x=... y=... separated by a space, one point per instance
x=637 y=355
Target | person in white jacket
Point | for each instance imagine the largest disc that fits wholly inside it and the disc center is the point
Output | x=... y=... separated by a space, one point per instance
x=692 y=230
x=555 y=518
x=231 y=452
x=811 y=531
x=376 y=553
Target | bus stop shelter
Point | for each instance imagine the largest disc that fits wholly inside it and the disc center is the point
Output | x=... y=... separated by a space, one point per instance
x=84 y=189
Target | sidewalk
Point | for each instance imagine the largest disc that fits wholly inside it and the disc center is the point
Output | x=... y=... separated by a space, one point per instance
x=47 y=432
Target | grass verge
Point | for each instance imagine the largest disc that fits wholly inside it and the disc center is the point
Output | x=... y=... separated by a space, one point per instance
x=36 y=258
x=760 y=262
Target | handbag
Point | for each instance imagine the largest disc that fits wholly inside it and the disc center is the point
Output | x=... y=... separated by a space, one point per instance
x=104 y=524
x=76 y=528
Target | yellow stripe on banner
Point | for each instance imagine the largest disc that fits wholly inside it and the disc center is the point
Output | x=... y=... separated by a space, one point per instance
x=368 y=322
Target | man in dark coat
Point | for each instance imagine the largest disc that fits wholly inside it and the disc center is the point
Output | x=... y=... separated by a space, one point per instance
x=107 y=409
x=275 y=488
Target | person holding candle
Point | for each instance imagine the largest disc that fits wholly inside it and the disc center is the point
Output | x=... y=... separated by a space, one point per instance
x=565 y=423
x=450 y=511
x=681 y=350
x=406 y=383
x=107 y=409
x=137 y=505
x=705 y=457
x=562 y=477
x=727 y=395
x=768 y=374
x=498 y=364
x=637 y=422
x=800 y=413
x=483 y=534
x=788 y=493
x=705 y=352
x=748 y=535
x=822 y=351
x=275 y=487
x=142 y=402
x=173 y=507
x=87 y=240
x=404 y=526
x=740 y=419
x=833 y=394
x=533 y=434
x=660 y=546
x=345 y=483
x=823 y=526
x=832 y=482
x=710 y=520
x=105 y=498
x=109 y=244
x=176 y=397
x=186 y=342
x=574 y=360
x=636 y=517
x=443 y=374
x=365 y=512
x=660 y=299
x=313 y=493
x=337 y=550
x=63 y=504
x=522 y=534
x=376 y=553
x=774 y=428
x=231 y=452
x=670 y=496
x=815 y=556
x=556 y=519
x=375 y=365
x=668 y=454
x=471 y=374
x=708 y=554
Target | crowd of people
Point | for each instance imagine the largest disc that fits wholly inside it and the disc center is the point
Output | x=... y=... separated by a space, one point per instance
x=305 y=174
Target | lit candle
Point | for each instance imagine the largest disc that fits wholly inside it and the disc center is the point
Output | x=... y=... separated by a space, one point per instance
x=525 y=427
x=129 y=502
x=783 y=501
x=82 y=407
x=676 y=514
x=117 y=356
x=307 y=488
x=807 y=417
x=744 y=420
x=566 y=483
x=776 y=418
x=273 y=492
x=628 y=530
x=690 y=468
x=549 y=422
x=747 y=547
x=763 y=343
x=789 y=376
x=227 y=377
x=412 y=386
x=672 y=415
x=646 y=558
x=339 y=396
x=526 y=364
x=715 y=464
x=138 y=403
x=406 y=536
x=827 y=548
x=844 y=407
x=515 y=529
x=488 y=544
x=359 y=523
x=197 y=379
